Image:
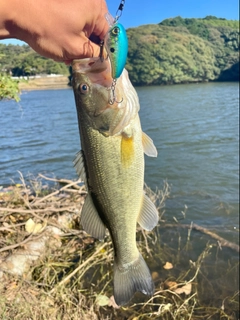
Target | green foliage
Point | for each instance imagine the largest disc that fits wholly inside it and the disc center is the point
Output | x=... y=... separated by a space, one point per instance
x=23 y=61
x=8 y=88
x=195 y=26
x=177 y=50
x=183 y=50
x=200 y=26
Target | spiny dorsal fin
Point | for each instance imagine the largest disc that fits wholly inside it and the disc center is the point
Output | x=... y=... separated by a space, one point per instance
x=78 y=163
x=148 y=146
x=91 y=221
x=148 y=216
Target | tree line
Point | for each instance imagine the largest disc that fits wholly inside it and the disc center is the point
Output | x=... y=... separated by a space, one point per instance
x=181 y=50
x=24 y=61
x=176 y=50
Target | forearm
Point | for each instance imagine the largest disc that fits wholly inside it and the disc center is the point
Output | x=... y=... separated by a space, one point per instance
x=22 y=19
x=17 y=18
x=6 y=19
x=58 y=29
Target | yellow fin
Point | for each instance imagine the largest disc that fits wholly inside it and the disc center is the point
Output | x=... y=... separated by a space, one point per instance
x=148 y=146
x=127 y=150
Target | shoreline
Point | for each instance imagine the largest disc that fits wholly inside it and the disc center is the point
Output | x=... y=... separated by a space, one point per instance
x=62 y=82
x=43 y=229
x=45 y=83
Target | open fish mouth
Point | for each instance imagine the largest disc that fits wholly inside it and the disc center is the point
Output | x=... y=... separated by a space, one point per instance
x=98 y=70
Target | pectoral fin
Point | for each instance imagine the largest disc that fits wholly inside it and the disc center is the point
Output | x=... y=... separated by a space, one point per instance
x=91 y=221
x=78 y=163
x=148 y=146
x=148 y=217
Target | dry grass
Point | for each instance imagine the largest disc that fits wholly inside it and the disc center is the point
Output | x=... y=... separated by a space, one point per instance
x=74 y=272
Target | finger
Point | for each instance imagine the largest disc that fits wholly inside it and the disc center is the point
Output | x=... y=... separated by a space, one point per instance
x=101 y=26
x=86 y=49
x=90 y=49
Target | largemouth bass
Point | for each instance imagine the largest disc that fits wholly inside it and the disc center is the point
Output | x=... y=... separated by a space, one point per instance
x=111 y=163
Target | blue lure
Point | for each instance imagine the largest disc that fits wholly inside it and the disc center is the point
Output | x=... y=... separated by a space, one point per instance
x=116 y=44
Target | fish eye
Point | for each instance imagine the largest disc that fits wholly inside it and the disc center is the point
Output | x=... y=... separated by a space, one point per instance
x=115 y=30
x=83 y=88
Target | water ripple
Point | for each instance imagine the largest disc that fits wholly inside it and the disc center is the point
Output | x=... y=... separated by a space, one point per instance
x=194 y=127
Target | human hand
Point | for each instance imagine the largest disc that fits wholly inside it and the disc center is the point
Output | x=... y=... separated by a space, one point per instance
x=57 y=29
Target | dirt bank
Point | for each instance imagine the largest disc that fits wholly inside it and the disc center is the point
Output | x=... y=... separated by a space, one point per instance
x=40 y=83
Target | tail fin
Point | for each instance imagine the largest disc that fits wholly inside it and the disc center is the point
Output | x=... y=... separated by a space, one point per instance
x=135 y=277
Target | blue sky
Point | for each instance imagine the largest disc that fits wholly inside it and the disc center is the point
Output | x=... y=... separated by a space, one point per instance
x=138 y=12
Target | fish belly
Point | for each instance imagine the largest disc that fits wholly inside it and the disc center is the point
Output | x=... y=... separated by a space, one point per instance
x=115 y=175
x=115 y=167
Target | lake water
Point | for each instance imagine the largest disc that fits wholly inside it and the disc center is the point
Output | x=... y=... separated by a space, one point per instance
x=195 y=129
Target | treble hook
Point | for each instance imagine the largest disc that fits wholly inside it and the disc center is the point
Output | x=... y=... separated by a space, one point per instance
x=113 y=99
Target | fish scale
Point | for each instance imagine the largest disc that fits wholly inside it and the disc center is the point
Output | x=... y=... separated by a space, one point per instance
x=112 y=165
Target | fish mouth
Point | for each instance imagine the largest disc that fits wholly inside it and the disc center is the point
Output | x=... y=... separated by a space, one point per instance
x=119 y=98
x=98 y=70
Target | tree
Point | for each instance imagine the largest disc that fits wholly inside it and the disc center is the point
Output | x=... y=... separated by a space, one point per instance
x=8 y=88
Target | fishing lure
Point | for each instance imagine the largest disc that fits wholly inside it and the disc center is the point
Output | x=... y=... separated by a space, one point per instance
x=116 y=45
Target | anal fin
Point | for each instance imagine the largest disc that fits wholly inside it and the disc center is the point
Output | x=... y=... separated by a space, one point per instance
x=90 y=220
x=148 y=216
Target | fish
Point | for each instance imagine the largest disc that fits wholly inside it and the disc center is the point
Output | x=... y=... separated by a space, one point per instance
x=111 y=163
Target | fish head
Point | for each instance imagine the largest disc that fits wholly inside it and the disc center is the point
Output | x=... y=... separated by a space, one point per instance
x=90 y=82
x=93 y=87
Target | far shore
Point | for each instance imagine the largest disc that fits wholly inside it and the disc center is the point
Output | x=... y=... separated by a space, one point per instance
x=62 y=82
x=44 y=83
